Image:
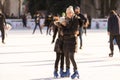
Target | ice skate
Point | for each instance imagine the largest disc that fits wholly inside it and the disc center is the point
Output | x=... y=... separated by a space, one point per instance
x=67 y=73
x=111 y=55
x=75 y=75
x=61 y=73
x=56 y=74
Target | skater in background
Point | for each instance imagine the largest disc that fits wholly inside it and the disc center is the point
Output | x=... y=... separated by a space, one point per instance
x=24 y=20
x=84 y=20
x=70 y=35
x=37 y=22
x=2 y=24
x=58 y=49
x=113 y=30
x=48 y=20
x=85 y=26
x=97 y=25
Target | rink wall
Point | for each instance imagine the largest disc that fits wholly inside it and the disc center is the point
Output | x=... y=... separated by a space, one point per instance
x=17 y=23
x=99 y=23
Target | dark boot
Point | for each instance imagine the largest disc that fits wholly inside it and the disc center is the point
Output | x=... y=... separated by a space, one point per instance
x=80 y=47
x=75 y=74
x=67 y=73
x=3 y=42
x=111 y=54
x=61 y=73
x=56 y=74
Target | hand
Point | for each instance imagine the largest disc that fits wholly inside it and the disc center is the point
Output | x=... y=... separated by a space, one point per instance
x=63 y=23
x=77 y=33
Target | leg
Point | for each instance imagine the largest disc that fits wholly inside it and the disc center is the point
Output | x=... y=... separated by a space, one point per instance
x=67 y=61
x=118 y=41
x=75 y=74
x=80 y=41
x=111 y=45
x=85 y=31
x=56 y=64
x=40 y=28
x=73 y=61
x=35 y=28
x=47 y=30
x=67 y=73
x=3 y=35
x=50 y=31
x=62 y=65
x=80 y=36
x=50 y=27
x=62 y=61
x=25 y=24
x=57 y=61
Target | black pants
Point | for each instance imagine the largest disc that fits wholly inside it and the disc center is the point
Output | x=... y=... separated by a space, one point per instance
x=85 y=29
x=37 y=24
x=48 y=30
x=70 y=57
x=80 y=36
x=2 y=34
x=59 y=56
x=81 y=42
x=112 y=37
x=24 y=24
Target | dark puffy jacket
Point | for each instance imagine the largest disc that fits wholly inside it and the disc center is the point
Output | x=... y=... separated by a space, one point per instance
x=2 y=21
x=69 y=38
x=82 y=19
x=113 y=24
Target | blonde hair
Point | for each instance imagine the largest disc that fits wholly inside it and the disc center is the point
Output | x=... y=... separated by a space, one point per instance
x=70 y=9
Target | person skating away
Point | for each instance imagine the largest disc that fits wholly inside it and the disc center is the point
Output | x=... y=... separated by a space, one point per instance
x=2 y=24
x=70 y=35
x=113 y=30
x=37 y=22
x=59 y=50
x=48 y=20
x=24 y=20
x=84 y=20
x=85 y=26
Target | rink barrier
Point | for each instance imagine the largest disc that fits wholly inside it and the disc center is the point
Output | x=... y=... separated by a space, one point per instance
x=99 y=23
x=17 y=23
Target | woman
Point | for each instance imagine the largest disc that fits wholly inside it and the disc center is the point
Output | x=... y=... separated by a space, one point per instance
x=58 y=48
x=113 y=30
x=37 y=22
x=70 y=34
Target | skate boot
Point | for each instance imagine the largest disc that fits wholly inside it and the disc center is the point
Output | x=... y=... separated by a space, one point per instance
x=61 y=73
x=75 y=75
x=55 y=74
x=3 y=42
x=111 y=54
x=80 y=47
x=67 y=73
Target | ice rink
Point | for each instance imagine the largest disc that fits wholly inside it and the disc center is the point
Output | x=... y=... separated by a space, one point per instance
x=31 y=57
